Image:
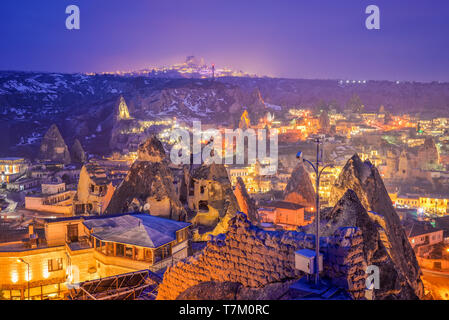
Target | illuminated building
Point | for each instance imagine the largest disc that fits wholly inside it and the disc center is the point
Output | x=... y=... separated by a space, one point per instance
x=406 y=200
x=328 y=178
x=96 y=186
x=423 y=236
x=245 y=121
x=428 y=204
x=250 y=174
x=434 y=204
x=12 y=168
x=123 y=112
x=372 y=156
x=53 y=198
x=288 y=215
x=73 y=250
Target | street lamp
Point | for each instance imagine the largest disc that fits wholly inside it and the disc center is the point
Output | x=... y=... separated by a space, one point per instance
x=28 y=271
x=318 y=172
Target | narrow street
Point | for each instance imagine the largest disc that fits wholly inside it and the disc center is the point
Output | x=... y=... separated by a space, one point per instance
x=437 y=282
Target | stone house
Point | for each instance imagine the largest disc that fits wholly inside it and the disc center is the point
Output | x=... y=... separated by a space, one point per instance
x=288 y=215
x=77 y=249
x=95 y=190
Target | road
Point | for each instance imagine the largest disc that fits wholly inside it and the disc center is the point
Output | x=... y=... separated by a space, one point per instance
x=437 y=282
x=443 y=275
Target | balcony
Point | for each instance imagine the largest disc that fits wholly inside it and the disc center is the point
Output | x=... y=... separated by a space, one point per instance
x=82 y=243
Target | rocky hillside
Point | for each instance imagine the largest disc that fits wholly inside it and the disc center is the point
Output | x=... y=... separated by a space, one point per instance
x=83 y=105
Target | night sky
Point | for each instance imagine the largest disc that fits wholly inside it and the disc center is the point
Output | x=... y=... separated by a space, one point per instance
x=296 y=39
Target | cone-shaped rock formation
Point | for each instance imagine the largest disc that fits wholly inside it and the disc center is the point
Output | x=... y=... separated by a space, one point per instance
x=299 y=187
x=148 y=186
x=77 y=153
x=364 y=179
x=53 y=146
x=350 y=212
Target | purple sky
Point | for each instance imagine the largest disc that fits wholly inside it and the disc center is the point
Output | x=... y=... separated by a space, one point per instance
x=296 y=39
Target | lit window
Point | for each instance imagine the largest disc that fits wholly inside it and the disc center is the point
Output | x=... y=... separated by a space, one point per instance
x=55 y=264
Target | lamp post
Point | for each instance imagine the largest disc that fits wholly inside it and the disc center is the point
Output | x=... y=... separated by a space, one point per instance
x=28 y=271
x=318 y=172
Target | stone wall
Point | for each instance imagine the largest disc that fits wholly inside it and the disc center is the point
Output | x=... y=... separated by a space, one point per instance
x=256 y=258
x=345 y=262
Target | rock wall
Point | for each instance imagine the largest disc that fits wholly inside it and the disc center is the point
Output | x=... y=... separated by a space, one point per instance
x=345 y=263
x=256 y=258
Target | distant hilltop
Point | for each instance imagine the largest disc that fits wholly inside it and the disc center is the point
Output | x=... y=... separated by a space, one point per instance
x=192 y=67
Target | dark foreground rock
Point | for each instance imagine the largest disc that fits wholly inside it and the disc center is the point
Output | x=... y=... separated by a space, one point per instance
x=234 y=291
x=402 y=275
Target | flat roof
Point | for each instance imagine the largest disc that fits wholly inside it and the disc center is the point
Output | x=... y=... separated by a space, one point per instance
x=141 y=229
x=11 y=159
x=281 y=204
x=306 y=253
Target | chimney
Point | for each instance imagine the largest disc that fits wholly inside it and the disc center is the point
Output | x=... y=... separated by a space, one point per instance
x=32 y=236
x=30 y=230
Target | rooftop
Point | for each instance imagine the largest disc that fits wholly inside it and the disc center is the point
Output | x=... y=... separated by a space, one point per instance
x=420 y=228
x=11 y=159
x=281 y=204
x=136 y=229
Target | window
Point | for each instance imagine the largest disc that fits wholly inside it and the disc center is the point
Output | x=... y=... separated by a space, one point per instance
x=109 y=248
x=181 y=235
x=120 y=250
x=162 y=253
x=55 y=264
x=129 y=252
x=148 y=255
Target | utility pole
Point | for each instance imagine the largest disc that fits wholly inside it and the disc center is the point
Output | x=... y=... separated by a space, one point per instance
x=317 y=219
x=318 y=172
